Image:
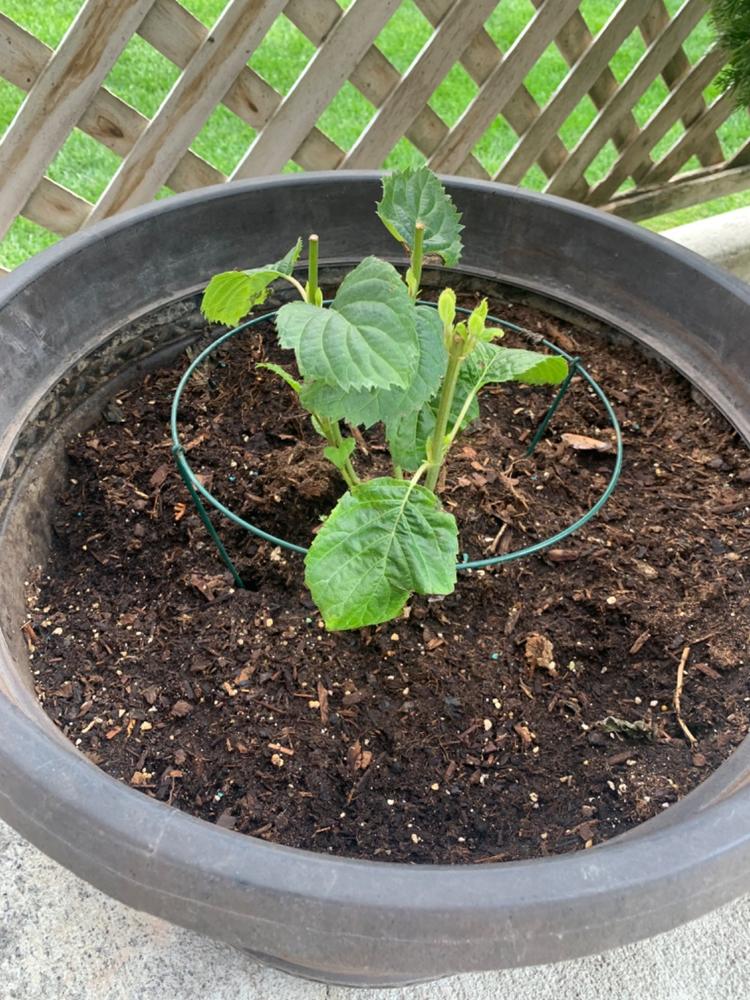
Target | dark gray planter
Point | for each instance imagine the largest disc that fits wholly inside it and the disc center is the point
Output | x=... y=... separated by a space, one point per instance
x=71 y=325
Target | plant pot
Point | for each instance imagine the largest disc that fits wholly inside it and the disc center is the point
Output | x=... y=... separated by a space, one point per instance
x=74 y=325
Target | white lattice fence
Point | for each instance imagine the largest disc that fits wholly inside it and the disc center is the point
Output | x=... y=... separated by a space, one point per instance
x=65 y=91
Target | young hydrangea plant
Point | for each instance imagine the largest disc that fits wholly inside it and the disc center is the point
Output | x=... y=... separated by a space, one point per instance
x=375 y=356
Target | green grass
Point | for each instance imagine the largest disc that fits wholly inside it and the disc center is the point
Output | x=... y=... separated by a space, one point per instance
x=143 y=77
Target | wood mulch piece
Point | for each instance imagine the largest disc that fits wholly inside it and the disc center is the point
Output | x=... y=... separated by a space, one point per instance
x=529 y=713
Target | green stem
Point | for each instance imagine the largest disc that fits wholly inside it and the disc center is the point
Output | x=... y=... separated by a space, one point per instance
x=419 y=473
x=436 y=446
x=417 y=257
x=349 y=474
x=312 y=268
x=297 y=284
x=459 y=420
x=332 y=433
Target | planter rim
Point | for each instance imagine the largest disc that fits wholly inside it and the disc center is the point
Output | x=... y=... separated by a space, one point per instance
x=48 y=258
x=712 y=842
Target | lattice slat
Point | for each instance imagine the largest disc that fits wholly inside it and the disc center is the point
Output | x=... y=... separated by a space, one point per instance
x=504 y=81
x=479 y=59
x=653 y=61
x=576 y=85
x=206 y=79
x=107 y=119
x=658 y=125
x=673 y=72
x=64 y=91
x=689 y=144
x=573 y=41
x=742 y=157
x=682 y=192
x=55 y=208
x=321 y=80
x=375 y=77
x=428 y=70
x=175 y=33
x=59 y=96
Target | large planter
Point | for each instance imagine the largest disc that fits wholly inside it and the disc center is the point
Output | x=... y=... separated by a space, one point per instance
x=73 y=322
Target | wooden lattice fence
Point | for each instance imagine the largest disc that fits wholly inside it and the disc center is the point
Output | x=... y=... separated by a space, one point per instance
x=65 y=92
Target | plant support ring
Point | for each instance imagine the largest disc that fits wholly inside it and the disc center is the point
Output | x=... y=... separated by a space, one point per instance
x=199 y=493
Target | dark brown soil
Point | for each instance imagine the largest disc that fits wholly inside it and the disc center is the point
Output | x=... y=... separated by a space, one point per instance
x=473 y=728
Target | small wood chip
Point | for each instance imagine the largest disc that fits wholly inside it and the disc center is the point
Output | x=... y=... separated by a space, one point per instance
x=639 y=643
x=323 y=699
x=151 y=694
x=563 y=555
x=620 y=758
x=357 y=758
x=540 y=653
x=527 y=737
x=678 y=694
x=708 y=671
x=159 y=476
x=580 y=442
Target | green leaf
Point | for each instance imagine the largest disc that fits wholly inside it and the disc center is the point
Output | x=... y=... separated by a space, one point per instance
x=228 y=298
x=416 y=195
x=282 y=373
x=339 y=455
x=367 y=339
x=365 y=407
x=232 y=294
x=358 y=406
x=490 y=363
x=383 y=541
x=408 y=436
x=287 y=262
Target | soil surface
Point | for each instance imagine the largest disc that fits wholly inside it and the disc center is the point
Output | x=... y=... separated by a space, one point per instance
x=529 y=713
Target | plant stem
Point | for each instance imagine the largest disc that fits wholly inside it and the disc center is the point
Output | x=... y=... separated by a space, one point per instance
x=436 y=445
x=332 y=433
x=419 y=473
x=338 y=440
x=297 y=284
x=459 y=420
x=417 y=257
x=312 y=268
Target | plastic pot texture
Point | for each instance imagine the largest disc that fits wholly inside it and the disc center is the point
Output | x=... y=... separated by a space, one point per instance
x=73 y=323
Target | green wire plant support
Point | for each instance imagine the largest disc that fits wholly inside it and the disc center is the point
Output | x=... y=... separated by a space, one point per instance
x=201 y=496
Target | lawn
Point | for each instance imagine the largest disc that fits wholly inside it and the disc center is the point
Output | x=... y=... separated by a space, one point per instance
x=142 y=77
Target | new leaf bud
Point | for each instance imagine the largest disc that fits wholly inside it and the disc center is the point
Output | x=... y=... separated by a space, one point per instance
x=477 y=320
x=447 y=306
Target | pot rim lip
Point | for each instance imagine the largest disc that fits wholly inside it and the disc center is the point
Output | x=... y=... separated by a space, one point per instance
x=193 y=842
x=67 y=247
